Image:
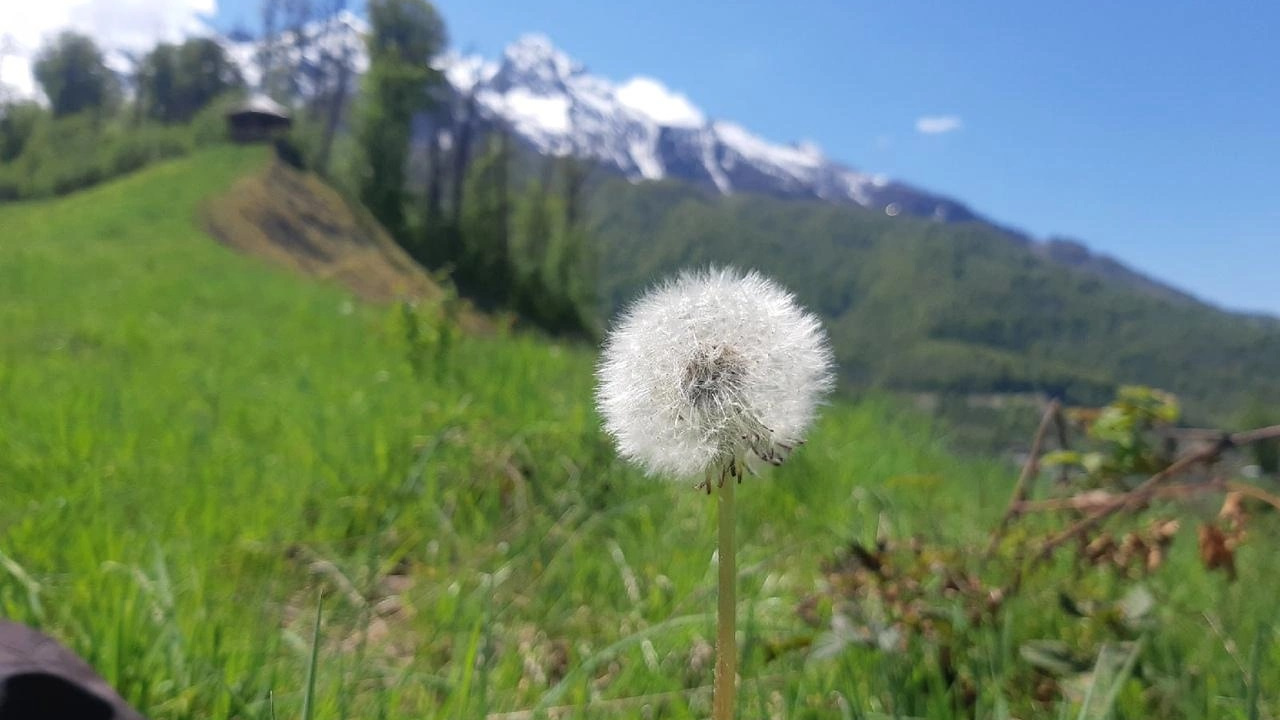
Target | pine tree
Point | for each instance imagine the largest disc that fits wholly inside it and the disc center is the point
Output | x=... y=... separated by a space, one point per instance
x=484 y=268
x=404 y=36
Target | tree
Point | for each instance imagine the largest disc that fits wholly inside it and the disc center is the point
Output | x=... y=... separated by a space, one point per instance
x=438 y=244
x=485 y=268
x=532 y=233
x=571 y=276
x=463 y=131
x=73 y=75
x=407 y=31
x=307 y=55
x=177 y=81
x=204 y=72
x=404 y=35
x=272 y=55
x=552 y=262
x=337 y=66
x=18 y=122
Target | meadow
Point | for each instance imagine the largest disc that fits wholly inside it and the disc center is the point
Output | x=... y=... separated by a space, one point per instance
x=242 y=493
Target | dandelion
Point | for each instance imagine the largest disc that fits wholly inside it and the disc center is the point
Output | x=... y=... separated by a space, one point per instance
x=709 y=367
x=705 y=375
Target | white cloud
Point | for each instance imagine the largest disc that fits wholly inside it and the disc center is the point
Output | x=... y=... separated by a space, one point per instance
x=938 y=124
x=653 y=99
x=130 y=25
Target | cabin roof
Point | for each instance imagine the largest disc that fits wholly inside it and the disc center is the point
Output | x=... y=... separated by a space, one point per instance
x=259 y=104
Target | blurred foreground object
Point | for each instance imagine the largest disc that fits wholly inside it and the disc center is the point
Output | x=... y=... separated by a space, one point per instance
x=41 y=679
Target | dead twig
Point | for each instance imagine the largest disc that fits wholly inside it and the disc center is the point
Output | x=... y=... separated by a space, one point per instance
x=1029 y=470
x=1060 y=423
x=1095 y=499
x=1252 y=436
x=1254 y=492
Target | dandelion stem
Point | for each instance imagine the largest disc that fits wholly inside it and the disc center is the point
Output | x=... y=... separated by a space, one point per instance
x=725 y=691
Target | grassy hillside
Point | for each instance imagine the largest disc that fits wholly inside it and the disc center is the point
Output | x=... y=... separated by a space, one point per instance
x=196 y=445
x=961 y=308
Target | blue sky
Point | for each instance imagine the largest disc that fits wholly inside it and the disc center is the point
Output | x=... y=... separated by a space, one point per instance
x=1149 y=130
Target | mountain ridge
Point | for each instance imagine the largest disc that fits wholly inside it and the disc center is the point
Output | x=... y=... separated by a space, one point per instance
x=920 y=306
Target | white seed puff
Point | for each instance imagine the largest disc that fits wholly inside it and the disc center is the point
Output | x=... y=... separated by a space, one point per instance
x=710 y=366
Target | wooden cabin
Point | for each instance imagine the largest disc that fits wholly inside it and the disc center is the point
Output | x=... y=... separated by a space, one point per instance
x=257 y=119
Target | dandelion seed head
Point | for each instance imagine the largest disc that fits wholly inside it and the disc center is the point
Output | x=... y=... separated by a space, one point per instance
x=709 y=366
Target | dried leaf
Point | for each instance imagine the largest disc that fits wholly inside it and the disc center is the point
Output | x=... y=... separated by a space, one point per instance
x=1155 y=557
x=1162 y=531
x=1083 y=417
x=1233 y=512
x=1214 y=552
x=1100 y=548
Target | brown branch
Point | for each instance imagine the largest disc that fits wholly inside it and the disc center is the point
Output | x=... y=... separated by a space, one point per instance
x=1083 y=501
x=1095 y=499
x=1060 y=422
x=1252 y=436
x=1254 y=492
x=1029 y=470
x=1144 y=492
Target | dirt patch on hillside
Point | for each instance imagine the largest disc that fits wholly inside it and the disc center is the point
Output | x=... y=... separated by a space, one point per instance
x=294 y=220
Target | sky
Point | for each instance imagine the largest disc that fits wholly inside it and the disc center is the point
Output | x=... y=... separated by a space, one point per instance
x=1148 y=130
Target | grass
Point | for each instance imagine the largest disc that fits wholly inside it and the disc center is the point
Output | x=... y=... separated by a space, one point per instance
x=195 y=446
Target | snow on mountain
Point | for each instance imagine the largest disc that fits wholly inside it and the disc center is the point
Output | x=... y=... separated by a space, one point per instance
x=645 y=130
x=653 y=100
x=464 y=73
x=307 y=50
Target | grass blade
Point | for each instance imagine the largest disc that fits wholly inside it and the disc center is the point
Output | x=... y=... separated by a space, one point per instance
x=308 y=700
x=1255 y=667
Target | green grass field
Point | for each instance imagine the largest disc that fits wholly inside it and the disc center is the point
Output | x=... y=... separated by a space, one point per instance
x=195 y=447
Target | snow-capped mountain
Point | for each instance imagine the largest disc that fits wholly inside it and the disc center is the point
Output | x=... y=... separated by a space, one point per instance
x=646 y=131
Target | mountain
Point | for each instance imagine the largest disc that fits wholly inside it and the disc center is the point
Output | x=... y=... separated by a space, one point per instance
x=645 y=131
x=642 y=130
x=949 y=308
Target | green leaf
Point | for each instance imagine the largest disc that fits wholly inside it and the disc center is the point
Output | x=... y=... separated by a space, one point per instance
x=1059 y=458
x=1094 y=462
